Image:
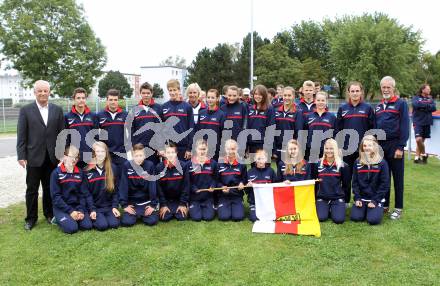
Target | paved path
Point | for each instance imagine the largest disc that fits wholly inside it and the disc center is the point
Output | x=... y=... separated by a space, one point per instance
x=7 y=147
x=13 y=181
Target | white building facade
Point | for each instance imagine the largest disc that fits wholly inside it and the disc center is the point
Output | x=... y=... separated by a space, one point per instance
x=162 y=74
x=11 y=87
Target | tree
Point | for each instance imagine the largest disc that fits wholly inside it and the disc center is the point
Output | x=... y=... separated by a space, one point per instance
x=177 y=61
x=51 y=40
x=157 y=91
x=115 y=80
x=241 y=67
x=368 y=47
x=309 y=40
x=274 y=66
x=201 y=69
x=212 y=69
x=223 y=66
x=312 y=70
x=429 y=72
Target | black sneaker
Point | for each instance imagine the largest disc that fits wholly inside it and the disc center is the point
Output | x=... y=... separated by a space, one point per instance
x=425 y=159
x=417 y=161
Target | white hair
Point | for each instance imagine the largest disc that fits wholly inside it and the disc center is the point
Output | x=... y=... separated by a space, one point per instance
x=41 y=82
x=193 y=86
x=389 y=79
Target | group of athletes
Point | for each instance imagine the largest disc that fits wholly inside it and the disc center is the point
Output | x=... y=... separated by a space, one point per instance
x=196 y=177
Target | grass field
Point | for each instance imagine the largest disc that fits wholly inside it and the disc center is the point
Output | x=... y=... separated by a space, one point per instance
x=215 y=253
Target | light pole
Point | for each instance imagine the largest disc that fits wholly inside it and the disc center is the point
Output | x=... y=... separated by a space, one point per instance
x=251 y=79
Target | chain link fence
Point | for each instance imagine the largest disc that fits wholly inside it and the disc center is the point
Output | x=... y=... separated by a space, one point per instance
x=9 y=112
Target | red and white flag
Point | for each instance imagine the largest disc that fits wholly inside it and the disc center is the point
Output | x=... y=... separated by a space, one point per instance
x=286 y=208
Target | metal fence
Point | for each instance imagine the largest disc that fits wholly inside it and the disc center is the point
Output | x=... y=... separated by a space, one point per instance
x=9 y=112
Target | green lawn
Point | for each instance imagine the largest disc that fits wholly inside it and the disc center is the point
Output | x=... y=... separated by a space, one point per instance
x=394 y=253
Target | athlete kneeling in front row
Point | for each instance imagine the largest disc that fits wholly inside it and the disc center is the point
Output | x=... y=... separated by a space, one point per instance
x=100 y=183
x=173 y=186
x=371 y=182
x=334 y=177
x=68 y=194
x=231 y=173
x=202 y=177
x=137 y=190
x=261 y=173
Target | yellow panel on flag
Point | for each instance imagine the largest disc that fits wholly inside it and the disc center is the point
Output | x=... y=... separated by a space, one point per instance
x=283 y=208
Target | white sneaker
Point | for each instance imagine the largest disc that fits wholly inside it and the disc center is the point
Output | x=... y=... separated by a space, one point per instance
x=396 y=214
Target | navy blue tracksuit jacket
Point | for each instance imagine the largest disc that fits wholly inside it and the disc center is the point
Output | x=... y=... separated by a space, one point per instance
x=83 y=123
x=172 y=185
x=144 y=114
x=259 y=120
x=316 y=122
x=99 y=198
x=202 y=176
x=67 y=190
x=237 y=112
x=334 y=181
x=277 y=102
x=257 y=175
x=184 y=112
x=287 y=120
x=304 y=174
x=212 y=120
x=231 y=174
x=371 y=182
x=306 y=109
x=113 y=123
x=134 y=188
x=359 y=118
x=423 y=107
x=393 y=118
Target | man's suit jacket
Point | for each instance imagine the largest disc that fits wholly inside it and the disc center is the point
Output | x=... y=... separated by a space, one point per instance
x=34 y=137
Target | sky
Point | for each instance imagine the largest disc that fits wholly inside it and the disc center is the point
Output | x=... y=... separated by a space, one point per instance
x=143 y=33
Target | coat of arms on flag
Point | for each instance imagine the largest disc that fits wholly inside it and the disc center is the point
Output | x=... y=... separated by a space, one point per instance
x=283 y=208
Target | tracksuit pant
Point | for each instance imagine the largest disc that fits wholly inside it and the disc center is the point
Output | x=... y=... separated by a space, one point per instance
x=173 y=213
x=372 y=215
x=396 y=167
x=252 y=213
x=202 y=210
x=333 y=208
x=349 y=160
x=230 y=208
x=129 y=219
x=105 y=219
x=68 y=224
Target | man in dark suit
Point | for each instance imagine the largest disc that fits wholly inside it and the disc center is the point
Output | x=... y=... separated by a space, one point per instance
x=38 y=126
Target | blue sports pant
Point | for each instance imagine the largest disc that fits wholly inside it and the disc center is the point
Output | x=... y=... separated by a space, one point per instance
x=372 y=215
x=331 y=208
x=202 y=210
x=68 y=224
x=230 y=208
x=173 y=212
x=129 y=219
x=105 y=219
